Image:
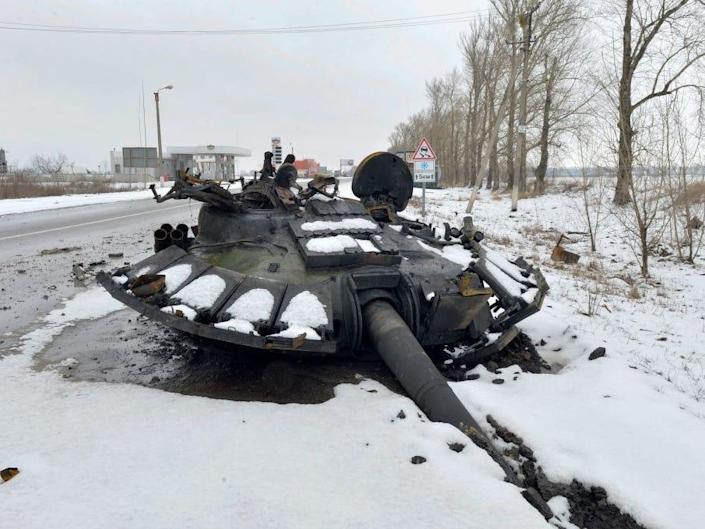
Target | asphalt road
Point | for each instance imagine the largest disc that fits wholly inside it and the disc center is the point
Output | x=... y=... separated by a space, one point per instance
x=32 y=283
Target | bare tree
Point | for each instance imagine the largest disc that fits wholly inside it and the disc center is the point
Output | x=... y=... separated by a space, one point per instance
x=646 y=218
x=49 y=165
x=593 y=188
x=686 y=204
x=661 y=41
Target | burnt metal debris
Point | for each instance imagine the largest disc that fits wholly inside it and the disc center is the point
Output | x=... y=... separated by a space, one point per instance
x=300 y=270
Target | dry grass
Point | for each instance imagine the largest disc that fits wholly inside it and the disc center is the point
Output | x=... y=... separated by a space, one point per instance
x=633 y=292
x=22 y=185
x=502 y=240
x=694 y=193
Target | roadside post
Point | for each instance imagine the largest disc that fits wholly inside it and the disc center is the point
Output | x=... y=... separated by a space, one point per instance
x=424 y=169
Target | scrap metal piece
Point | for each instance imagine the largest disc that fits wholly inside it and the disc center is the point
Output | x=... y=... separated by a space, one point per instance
x=559 y=253
x=6 y=474
x=466 y=289
x=147 y=285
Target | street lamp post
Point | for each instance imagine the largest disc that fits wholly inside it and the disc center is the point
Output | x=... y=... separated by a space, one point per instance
x=159 y=127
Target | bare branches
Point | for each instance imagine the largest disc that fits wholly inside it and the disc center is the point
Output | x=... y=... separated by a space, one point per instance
x=49 y=165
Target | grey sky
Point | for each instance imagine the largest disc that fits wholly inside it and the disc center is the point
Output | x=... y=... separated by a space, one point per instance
x=332 y=95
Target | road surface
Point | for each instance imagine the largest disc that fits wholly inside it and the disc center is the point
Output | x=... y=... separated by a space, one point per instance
x=33 y=283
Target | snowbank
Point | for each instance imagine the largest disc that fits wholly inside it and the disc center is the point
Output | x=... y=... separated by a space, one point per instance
x=11 y=206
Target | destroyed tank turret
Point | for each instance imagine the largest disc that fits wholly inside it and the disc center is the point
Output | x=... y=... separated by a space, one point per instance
x=302 y=270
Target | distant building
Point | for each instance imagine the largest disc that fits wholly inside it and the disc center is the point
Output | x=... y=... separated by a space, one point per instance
x=277 y=150
x=307 y=167
x=3 y=162
x=216 y=162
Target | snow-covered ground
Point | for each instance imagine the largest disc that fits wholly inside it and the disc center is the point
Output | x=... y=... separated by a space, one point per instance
x=632 y=422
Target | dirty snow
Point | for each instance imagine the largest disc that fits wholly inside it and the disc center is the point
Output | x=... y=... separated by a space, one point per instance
x=561 y=512
x=254 y=305
x=120 y=280
x=142 y=271
x=293 y=331
x=91 y=304
x=183 y=311
x=330 y=189
x=203 y=292
x=506 y=266
x=241 y=326
x=345 y=224
x=121 y=455
x=504 y=279
x=305 y=309
x=332 y=244
x=454 y=253
x=175 y=276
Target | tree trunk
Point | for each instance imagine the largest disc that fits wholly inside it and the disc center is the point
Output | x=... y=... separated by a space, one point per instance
x=468 y=146
x=510 y=121
x=626 y=134
x=643 y=239
x=545 y=129
x=493 y=174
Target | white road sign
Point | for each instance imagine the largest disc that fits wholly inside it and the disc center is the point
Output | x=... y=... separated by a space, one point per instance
x=425 y=166
x=425 y=171
x=425 y=177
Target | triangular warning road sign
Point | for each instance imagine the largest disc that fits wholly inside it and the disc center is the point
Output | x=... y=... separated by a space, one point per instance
x=423 y=151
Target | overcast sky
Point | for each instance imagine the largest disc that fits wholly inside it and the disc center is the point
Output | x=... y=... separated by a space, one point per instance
x=331 y=95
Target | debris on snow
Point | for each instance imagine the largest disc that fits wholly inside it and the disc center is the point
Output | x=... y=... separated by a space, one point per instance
x=234 y=324
x=599 y=352
x=65 y=249
x=294 y=331
x=182 y=311
x=6 y=474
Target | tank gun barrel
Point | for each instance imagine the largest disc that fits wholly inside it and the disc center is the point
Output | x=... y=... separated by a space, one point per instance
x=427 y=387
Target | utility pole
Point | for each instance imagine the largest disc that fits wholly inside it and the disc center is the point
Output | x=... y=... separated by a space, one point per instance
x=159 y=128
x=520 y=165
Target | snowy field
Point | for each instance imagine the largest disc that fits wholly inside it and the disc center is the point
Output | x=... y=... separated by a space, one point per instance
x=633 y=422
